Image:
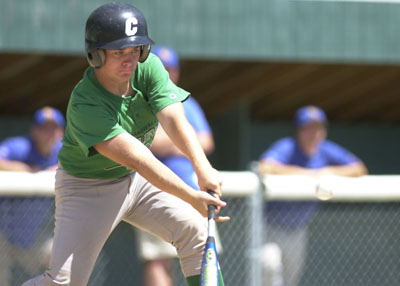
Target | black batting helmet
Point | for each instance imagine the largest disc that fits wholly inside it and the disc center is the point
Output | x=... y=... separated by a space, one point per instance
x=115 y=26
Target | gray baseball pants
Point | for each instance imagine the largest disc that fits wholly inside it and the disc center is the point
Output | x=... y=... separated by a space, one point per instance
x=88 y=210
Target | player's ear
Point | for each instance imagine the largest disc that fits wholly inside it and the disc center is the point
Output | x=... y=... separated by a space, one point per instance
x=96 y=58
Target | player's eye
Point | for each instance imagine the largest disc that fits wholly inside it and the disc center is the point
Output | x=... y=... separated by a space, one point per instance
x=136 y=50
x=117 y=52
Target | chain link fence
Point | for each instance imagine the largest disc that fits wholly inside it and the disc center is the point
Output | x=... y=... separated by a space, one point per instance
x=348 y=244
x=118 y=263
x=26 y=228
x=354 y=244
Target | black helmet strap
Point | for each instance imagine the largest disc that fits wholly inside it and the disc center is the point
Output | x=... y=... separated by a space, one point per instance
x=144 y=52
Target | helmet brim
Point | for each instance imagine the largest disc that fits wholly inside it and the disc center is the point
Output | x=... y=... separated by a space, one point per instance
x=127 y=43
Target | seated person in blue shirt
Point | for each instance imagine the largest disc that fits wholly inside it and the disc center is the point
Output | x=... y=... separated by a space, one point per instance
x=22 y=240
x=307 y=153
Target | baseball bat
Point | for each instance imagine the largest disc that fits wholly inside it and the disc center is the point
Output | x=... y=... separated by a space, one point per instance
x=210 y=267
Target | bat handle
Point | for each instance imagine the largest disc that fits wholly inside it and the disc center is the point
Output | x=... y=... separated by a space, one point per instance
x=211 y=208
x=211 y=212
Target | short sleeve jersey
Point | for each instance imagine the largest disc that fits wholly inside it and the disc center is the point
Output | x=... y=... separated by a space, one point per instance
x=180 y=165
x=95 y=115
x=288 y=152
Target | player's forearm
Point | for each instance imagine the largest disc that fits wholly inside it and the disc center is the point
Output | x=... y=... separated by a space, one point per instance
x=163 y=146
x=353 y=170
x=52 y=168
x=130 y=152
x=163 y=178
x=6 y=165
x=165 y=150
x=191 y=147
x=280 y=169
x=206 y=142
x=184 y=136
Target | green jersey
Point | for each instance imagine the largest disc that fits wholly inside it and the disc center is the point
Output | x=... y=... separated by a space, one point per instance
x=95 y=115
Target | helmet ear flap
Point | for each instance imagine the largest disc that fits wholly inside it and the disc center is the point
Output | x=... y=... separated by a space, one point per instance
x=96 y=58
x=144 y=52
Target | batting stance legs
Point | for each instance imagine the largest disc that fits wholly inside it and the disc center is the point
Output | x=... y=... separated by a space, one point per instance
x=88 y=210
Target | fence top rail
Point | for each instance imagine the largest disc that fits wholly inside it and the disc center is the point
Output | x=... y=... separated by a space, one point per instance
x=235 y=184
x=374 y=188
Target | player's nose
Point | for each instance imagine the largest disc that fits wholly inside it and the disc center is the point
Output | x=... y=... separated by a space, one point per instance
x=129 y=60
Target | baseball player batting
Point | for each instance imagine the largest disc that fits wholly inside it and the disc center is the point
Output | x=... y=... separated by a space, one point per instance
x=107 y=174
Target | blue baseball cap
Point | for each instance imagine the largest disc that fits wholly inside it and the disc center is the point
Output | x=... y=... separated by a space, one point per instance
x=168 y=56
x=309 y=113
x=48 y=113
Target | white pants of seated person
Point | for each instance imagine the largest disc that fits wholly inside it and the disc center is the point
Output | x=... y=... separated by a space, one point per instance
x=33 y=260
x=283 y=256
x=88 y=210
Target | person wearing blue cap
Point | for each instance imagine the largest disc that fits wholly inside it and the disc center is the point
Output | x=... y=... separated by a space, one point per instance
x=21 y=232
x=307 y=153
x=156 y=253
x=38 y=150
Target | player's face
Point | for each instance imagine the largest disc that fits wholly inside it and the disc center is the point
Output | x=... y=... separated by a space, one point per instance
x=310 y=136
x=120 y=64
